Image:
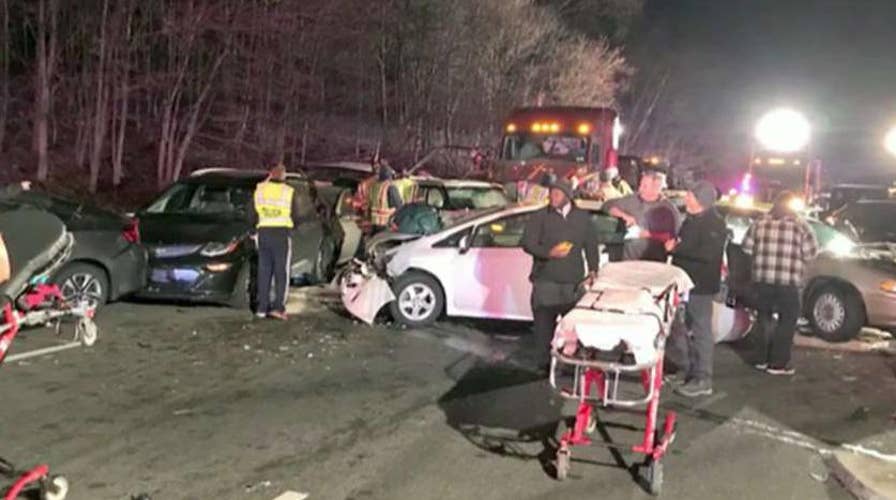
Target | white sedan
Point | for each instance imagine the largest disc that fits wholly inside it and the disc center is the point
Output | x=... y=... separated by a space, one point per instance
x=474 y=268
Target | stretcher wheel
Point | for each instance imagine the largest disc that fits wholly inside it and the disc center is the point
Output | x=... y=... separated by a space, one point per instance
x=86 y=331
x=56 y=488
x=654 y=475
x=592 y=422
x=562 y=464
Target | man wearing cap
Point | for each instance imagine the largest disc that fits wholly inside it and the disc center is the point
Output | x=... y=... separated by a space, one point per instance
x=556 y=237
x=698 y=250
x=651 y=218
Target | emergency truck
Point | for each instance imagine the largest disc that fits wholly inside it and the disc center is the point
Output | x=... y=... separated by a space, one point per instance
x=771 y=173
x=556 y=138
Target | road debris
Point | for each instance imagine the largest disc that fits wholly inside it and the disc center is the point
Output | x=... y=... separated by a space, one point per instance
x=257 y=486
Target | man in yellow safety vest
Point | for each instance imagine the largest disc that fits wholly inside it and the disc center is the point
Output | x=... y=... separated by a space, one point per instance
x=276 y=212
x=385 y=199
x=537 y=194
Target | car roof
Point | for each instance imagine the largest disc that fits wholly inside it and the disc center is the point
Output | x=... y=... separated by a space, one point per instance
x=238 y=176
x=455 y=183
x=354 y=166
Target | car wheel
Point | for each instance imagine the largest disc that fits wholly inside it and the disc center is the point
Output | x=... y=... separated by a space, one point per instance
x=419 y=299
x=323 y=264
x=836 y=315
x=243 y=294
x=81 y=282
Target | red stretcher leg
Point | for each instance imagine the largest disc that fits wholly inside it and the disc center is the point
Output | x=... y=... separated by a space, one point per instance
x=646 y=446
x=32 y=476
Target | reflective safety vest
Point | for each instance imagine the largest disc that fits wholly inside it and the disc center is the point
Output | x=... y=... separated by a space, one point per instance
x=273 y=204
x=362 y=196
x=536 y=195
x=407 y=188
x=380 y=212
x=609 y=191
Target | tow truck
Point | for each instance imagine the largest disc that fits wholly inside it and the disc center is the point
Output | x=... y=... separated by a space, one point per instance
x=558 y=139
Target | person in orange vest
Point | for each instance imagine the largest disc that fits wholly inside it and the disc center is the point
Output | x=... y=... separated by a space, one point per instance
x=361 y=200
x=385 y=199
x=276 y=213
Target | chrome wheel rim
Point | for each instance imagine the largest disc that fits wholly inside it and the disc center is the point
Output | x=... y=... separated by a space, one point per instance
x=82 y=288
x=829 y=312
x=417 y=301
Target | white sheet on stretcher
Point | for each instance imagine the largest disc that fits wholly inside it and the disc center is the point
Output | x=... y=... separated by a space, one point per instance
x=655 y=276
x=622 y=306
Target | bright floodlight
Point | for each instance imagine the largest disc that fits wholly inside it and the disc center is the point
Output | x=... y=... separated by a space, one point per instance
x=890 y=141
x=783 y=131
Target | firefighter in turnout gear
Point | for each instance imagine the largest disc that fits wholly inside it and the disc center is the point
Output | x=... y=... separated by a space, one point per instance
x=276 y=212
x=385 y=199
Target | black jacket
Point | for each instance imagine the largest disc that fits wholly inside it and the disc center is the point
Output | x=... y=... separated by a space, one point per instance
x=699 y=251
x=547 y=227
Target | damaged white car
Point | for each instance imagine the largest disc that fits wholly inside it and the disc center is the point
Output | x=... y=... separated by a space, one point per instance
x=475 y=267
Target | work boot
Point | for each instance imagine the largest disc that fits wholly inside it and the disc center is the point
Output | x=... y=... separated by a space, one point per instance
x=695 y=388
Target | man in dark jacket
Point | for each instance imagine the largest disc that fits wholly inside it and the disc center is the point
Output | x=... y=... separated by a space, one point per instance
x=698 y=250
x=556 y=237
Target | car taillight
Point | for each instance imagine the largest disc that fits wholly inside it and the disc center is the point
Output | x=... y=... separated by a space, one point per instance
x=131 y=233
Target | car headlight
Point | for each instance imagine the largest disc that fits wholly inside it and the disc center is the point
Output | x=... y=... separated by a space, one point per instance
x=840 y=246
x=888 y=286
x=219 y=249
x=796 y=204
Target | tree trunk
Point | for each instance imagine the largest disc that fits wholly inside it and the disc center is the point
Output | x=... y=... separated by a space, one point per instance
x=101 y=115
x=45 y=54
x=4 y=54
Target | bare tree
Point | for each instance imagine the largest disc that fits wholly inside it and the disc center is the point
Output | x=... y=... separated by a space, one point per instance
x=47 y=16
x=4 y=70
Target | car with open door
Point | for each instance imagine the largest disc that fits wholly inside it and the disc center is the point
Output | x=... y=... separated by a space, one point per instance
x=198 y=233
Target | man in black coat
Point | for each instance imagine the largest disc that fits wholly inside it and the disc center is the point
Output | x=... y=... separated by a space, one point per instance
x=698 y=250
x=556 y=237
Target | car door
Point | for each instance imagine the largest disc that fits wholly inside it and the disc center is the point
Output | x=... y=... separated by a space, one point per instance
x=348 y=219
x=306 y=238
x=492 y=277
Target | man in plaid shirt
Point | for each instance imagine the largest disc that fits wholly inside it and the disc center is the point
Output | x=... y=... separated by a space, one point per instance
x=781 y=244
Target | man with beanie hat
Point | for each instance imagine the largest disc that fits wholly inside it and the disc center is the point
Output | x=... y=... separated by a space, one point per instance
x=698 y=250
x=556 y=237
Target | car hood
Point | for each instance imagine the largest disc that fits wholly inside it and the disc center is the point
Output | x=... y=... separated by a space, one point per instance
x=879 y=255
x=170 y=229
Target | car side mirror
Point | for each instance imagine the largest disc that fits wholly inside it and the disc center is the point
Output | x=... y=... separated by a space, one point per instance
x=463 y=246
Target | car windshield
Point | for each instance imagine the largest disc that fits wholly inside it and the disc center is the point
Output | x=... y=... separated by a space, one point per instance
x=829 y=239
x=469 y=217
x=197 y=198
x=475 y=198
x=522 y=147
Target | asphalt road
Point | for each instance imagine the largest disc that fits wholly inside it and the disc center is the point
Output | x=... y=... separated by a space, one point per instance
x=206 y=403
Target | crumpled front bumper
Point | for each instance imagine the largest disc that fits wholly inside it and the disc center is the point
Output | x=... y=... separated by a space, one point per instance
x=364 y=292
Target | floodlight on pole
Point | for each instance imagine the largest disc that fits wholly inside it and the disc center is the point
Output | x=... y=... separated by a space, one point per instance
x=783 y=131
x=890 y=141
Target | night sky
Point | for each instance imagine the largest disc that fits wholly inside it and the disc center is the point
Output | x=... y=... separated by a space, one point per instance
x=733 y=59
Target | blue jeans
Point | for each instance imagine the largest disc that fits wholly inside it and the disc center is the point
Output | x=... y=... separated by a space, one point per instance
x=692 y=342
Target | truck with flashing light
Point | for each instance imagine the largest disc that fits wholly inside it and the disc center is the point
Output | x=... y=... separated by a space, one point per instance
x=771 y=173
x=558 y=139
